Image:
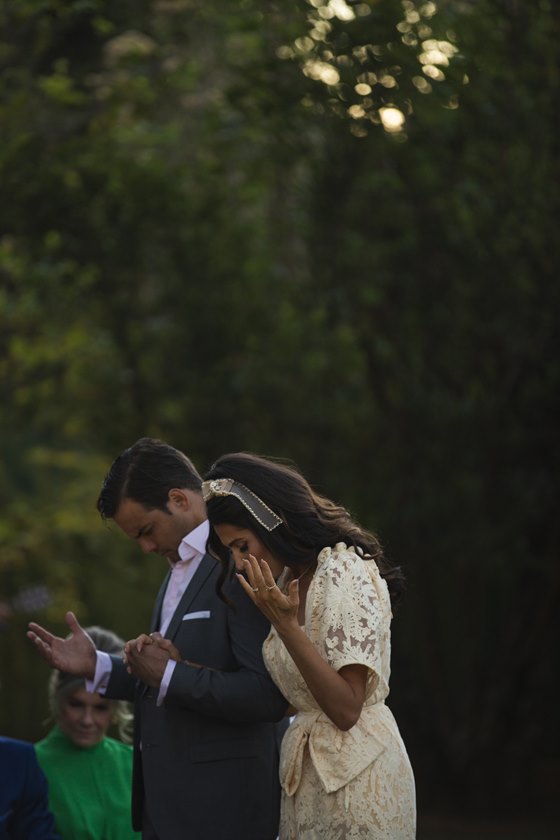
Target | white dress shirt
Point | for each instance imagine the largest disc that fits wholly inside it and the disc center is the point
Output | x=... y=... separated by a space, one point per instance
x=191 y=551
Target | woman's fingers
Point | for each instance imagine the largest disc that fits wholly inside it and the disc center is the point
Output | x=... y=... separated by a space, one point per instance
x=260 y=578
x=253 y=572
x=267 y=576
x=258 y=573
x=252 y=569
x=260 y=586
x=246 y=586
x=253 y=582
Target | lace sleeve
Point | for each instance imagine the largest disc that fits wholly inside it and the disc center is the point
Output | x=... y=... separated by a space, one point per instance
x=350 y=613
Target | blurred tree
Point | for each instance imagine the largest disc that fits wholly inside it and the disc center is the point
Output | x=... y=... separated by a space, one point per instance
x=324 y=230
x=444 y=269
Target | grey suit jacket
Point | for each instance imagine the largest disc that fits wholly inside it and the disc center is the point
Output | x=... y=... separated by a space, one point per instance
x=206 y=760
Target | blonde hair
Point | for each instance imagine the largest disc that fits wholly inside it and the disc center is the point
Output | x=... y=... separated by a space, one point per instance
x=61 y=684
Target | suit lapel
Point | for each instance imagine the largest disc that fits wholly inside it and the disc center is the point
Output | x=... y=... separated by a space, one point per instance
x=205 y=569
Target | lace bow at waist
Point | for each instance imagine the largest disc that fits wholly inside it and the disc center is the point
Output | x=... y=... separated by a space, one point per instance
x=338 y=757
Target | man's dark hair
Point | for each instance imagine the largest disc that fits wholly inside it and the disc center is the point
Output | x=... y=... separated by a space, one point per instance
x=145 y=473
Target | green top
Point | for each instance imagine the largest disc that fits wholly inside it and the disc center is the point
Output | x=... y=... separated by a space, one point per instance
x=89 y=787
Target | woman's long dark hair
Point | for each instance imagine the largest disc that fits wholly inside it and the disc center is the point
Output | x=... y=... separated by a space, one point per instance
x=310 y=522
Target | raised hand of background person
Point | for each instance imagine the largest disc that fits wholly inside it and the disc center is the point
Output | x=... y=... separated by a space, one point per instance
x=75 y=654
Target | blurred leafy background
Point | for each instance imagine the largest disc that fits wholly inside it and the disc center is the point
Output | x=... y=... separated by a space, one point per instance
x=322 y=230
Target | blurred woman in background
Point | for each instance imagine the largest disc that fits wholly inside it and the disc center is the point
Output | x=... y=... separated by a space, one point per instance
x=89 y=773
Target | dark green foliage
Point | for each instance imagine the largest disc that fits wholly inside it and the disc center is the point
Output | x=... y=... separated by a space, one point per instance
x=201 y=242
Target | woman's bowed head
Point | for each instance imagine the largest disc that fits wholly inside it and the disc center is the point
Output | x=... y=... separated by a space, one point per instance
x=266 y=516
x=283 y=521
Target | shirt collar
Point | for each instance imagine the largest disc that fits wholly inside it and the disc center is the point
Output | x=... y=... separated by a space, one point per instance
x=194 y=543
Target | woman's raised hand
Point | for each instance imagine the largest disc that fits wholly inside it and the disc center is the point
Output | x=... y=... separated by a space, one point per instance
x=280 y=608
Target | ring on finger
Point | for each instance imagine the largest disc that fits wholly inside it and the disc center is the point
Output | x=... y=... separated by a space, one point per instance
x=268 y=588
x=255 y=588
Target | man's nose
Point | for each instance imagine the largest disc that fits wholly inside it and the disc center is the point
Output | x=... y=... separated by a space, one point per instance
x=146 y=545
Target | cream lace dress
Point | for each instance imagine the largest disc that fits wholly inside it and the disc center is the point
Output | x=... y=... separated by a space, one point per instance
x=341 y=785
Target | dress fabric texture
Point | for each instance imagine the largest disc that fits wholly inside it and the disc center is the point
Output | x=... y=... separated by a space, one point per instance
x=343 y=785
x=89 y=787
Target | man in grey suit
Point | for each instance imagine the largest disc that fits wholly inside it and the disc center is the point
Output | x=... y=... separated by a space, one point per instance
x=206 y=745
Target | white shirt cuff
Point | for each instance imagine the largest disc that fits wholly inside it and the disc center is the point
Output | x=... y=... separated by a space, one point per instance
x=165 y=680
x=103 y=669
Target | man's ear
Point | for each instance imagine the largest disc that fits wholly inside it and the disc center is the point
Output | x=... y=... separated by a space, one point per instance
x=178 y=498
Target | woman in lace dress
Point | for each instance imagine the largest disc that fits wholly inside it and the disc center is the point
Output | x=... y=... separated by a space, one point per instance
x=324 y=585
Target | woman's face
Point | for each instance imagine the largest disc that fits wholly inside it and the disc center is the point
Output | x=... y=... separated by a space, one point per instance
x=242 y=542
x=85 y=718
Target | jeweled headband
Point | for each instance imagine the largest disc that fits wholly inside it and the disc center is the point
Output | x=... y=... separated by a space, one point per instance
x=256 y=507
